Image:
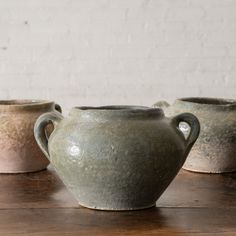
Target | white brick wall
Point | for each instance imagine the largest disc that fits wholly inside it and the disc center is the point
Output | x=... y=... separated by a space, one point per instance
x=97 y=52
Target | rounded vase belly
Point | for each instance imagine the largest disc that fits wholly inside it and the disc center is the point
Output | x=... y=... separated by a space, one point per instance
x=117 y=157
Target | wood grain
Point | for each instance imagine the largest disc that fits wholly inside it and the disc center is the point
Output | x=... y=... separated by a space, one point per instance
x=194 y=204
x=155 y=221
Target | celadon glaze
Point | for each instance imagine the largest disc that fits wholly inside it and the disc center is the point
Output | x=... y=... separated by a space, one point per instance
x=116 y=157
x=215 y=149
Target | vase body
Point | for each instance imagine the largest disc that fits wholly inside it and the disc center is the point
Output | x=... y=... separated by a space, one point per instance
x=19 y=150
x=116 y=158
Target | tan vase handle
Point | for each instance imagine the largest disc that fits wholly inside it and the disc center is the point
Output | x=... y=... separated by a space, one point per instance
x=58 y=108
x=40 y=129
x=194 y=124
x=161 y=104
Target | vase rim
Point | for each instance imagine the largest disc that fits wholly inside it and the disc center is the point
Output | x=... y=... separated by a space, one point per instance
x=115 y=108
x=117 y=111
x=24 y=104
x=208 y=101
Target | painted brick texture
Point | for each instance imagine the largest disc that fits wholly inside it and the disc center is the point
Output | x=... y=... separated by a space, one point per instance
x=97 y=52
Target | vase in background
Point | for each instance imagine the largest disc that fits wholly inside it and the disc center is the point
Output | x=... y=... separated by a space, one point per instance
x=19 y=150
x=215 y=149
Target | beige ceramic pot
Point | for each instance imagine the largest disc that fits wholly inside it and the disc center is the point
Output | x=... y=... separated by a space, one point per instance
x=19 y=150
x=215 y=149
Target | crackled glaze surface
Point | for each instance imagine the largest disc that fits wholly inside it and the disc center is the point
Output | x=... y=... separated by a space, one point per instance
x=116 y=158
x=19 y=150
x=215 y=149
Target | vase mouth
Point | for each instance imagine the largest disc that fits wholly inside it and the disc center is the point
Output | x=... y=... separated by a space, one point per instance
x=117 y=111
x=115 y=108
x=24 y=104
x=208 y=101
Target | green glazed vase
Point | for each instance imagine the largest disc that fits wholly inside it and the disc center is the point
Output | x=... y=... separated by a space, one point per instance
x=116 y=157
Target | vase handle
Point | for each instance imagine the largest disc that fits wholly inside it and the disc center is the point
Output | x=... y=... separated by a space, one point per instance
x=194 y=124
x=161 y=104
x=58 y=108
x=40 y=129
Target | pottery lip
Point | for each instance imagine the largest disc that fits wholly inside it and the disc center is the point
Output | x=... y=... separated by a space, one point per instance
x=207 y=102
x=117 y=111
x=25 y=104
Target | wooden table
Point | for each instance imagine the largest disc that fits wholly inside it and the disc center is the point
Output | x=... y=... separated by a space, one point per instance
x=194 y=204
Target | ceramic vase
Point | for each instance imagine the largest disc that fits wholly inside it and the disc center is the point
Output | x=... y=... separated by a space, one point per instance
x=116 y=157
x=19 y=150
x=215 y=149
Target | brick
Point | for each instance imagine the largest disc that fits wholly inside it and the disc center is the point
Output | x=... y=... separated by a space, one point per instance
x=232 y=50
x=185 y=13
